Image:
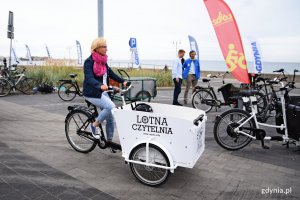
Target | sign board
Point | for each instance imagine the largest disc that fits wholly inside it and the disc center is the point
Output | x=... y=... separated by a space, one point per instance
x=132 y=43
x=10 y=27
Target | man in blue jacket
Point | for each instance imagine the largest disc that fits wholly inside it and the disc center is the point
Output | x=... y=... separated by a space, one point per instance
x=191 y=73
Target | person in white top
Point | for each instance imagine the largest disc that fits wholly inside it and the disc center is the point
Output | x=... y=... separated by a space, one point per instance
x=177 y=76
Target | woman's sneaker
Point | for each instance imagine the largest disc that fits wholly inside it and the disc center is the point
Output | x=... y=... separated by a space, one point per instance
x=94 y=132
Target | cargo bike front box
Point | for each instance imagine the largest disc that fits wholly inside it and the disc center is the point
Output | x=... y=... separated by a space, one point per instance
x=160 y=140
x=144 y=88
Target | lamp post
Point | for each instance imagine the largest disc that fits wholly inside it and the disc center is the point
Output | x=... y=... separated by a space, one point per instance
x=176 y=43
x=100 y=19
x=10 y=34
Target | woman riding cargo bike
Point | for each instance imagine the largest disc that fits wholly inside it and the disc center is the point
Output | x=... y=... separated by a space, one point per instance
x=150 y=134
x=96 y=77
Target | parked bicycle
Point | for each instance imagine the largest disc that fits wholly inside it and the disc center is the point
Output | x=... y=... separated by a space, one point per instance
x=205 y=98
x=69 y=88
x=236 y=128
x=267 y=94
x=13 y=81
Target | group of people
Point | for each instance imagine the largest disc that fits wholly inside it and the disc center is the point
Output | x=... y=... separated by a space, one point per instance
x=189 y=70
x=96 y=80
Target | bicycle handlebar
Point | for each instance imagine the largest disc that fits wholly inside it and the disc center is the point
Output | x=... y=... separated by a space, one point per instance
x=219 y=75
x=114 y=89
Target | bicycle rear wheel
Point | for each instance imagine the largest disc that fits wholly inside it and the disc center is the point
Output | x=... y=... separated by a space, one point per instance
x=78 y=132
x=225 y=124
x=4 y=87
x=152 y=176
x=67 y=91
x=199 y=100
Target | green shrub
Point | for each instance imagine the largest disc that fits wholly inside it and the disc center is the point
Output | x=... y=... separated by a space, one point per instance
x=52 y=74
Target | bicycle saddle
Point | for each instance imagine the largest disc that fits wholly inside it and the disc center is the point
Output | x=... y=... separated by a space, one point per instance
x=89 y=103
x=72 y=75
x=248 y=93
x=205 y=80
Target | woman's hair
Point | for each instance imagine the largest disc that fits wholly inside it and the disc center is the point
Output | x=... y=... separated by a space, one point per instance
x=98 y=42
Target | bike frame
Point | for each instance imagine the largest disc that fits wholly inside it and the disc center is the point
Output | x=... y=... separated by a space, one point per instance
x=212 y=90
x=12 y=82
x=78 y=91
x=285 y=137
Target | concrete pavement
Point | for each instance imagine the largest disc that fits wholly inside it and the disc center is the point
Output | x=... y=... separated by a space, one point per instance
x=32 y=127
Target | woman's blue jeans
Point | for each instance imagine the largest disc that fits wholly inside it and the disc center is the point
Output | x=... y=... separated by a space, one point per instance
x=106 y=105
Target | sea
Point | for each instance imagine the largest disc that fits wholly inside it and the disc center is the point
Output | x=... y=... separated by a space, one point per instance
x=205 y=65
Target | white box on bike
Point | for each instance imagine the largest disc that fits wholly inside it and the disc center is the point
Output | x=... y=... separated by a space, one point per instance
x=169 y=127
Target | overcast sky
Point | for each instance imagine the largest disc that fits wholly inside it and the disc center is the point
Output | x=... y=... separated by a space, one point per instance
x=155 y=24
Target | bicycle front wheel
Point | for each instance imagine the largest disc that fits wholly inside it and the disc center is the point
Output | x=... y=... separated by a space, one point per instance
x=67 y=91
x=152 y=176
x=199 y=100
x=78 y=132
x=4 y=87
x=225 y=124
x=261 y=103
x=26 y=85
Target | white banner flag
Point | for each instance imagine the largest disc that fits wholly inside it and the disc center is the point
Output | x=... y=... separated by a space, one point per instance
x=257 y=56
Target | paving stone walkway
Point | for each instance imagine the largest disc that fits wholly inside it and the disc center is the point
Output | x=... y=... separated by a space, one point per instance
x=36 y=161
x=24 y=177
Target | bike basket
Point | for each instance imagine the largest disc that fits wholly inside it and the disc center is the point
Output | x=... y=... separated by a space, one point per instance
x=229 y=90
x=292 y=116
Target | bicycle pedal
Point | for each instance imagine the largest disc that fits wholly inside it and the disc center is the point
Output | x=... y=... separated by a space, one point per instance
x=265 y=147
x=112 y=150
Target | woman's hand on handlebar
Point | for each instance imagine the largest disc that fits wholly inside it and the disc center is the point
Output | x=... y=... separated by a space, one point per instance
x=126 y=83
x=104 y=87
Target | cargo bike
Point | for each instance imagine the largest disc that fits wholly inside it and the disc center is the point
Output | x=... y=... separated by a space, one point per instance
x=234 y=129
x=154 y=138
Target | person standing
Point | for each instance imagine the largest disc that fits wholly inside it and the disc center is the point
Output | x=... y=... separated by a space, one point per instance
x=177 y=76
x=191 y=73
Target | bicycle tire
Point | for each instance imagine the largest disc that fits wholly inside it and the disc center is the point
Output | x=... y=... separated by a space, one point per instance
x=228 y=129
x=143 y=96
x=74 y=141
x=160 y=157
x=67 y=91
x=197 y=99
x=5 y=87
x=262 y=103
